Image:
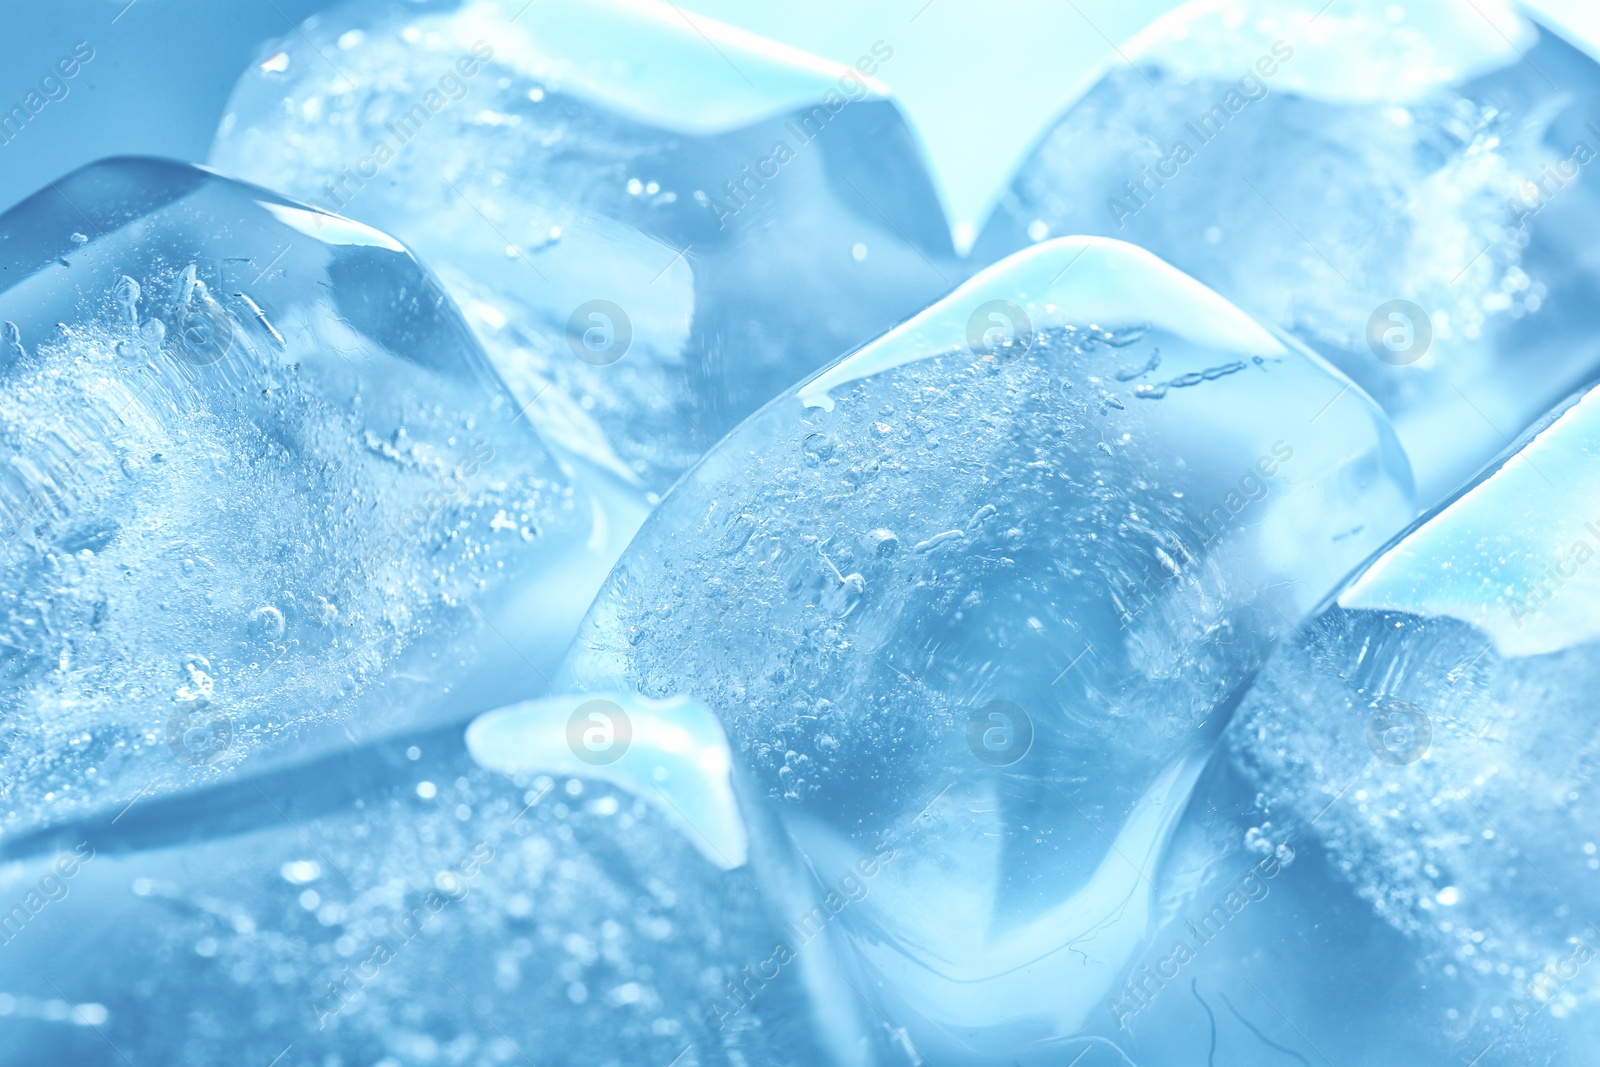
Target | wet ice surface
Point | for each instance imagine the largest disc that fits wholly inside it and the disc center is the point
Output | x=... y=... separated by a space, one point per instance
x=394 y=904
x=998 y=576
x=262 y=493
x=1431 y=731
x=643 y=261
x=1314 y=172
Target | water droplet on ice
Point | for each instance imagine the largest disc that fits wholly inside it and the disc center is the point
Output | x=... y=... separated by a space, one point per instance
x=817 y=448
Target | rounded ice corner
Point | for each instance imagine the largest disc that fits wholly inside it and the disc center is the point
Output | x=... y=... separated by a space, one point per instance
x=1078 y=282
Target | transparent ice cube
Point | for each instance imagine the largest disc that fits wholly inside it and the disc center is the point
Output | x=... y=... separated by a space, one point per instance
x=982 y=593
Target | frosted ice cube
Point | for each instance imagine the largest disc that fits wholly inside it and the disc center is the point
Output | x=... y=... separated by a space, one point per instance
x=1404 y=189
x=983 y=591
x=261 y=492
x=1432 y=729
x=654 y=224
x=395 y=904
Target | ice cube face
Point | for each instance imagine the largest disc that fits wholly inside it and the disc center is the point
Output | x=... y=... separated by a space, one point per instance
x=397 y=903
x=1402 y=196
x=650 y=248
x=259 y=484
x=985 y=588
x=1432 y=730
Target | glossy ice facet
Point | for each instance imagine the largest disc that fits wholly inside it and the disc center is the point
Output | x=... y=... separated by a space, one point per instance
x=262 y=493
x=995 y=579
x=655 y=223
x=1405 y=190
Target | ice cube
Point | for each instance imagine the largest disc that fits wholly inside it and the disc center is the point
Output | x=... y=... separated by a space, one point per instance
x=261 y=493
x=1431 y=729
x=981 y=593
x=655 y=224
x=1404 y=190
x=395 y=904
